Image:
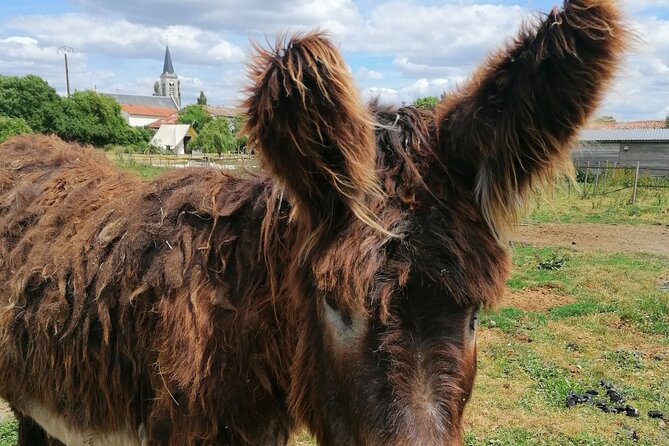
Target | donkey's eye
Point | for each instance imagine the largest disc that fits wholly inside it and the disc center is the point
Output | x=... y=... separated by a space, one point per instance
x=475 y=320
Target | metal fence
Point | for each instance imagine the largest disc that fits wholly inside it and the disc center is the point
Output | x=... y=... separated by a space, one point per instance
x=607 y=178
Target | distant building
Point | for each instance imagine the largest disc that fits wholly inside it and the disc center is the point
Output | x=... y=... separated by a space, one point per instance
x=169 y=83
x=626 y=125
x=222 y=112
x=649 y=147
x=141 y=110
x=173 y=138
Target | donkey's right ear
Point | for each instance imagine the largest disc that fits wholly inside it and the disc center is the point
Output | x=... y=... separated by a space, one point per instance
x=312 y=131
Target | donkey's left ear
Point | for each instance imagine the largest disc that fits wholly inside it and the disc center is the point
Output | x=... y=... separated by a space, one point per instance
x=311 y=129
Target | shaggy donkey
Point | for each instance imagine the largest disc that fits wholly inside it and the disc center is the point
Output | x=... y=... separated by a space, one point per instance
x=336 y=289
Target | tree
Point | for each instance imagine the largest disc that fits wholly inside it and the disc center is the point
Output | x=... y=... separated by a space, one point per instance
x=31 y=99
x=428 y=102
x=12 y=126
x=202 y=99
x=240 y=141
x=666 y=122
x=196 y=116
x=156 y=88
x=91 y=118
x=86 y=117
x=215 y=137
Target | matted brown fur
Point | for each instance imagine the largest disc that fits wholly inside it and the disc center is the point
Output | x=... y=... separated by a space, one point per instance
x=336 y=291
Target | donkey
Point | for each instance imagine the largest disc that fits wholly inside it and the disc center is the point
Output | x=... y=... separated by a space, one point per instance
x=337 y=288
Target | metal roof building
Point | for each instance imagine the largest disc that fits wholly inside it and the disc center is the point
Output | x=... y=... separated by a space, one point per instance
x=648 y=147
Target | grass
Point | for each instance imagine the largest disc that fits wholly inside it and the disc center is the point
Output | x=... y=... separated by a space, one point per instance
x=8 y=432
x=569 y=205
x=144 y=171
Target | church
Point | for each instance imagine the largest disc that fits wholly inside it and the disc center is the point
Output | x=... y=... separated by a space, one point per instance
x=163 y=105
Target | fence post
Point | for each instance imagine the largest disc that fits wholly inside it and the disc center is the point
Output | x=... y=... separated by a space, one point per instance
x=585 y=180
x=597 y=178
x=606 y=174
x=636 y=182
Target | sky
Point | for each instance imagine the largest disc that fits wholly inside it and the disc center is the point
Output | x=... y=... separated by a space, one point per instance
x=396 y=49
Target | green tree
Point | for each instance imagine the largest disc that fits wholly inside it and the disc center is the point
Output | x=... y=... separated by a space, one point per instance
x=215 y=137
x=156 y=88
x=31 y=99
x=91 y=118
x=666 y=122
x=428 y=102
x=196 y=116
x=605 y=120
x=202 y=99
x=12 y=126
x=240 y=141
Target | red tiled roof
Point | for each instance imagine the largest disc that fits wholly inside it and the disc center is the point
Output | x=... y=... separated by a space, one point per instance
x=627 y=125
x=140 y=110
x=171 y=119
x=217 y=111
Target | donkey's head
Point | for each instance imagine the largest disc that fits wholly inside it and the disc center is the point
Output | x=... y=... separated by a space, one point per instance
x=399 y=217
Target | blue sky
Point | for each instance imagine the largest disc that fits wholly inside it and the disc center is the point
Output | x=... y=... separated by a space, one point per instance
x=397 y=49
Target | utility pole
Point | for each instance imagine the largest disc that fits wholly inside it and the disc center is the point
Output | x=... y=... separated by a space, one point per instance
x=65 y=50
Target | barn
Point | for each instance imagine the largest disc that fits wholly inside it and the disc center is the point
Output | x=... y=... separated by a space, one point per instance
x=625 y=147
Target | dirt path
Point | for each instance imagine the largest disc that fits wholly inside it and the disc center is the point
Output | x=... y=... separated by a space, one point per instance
x=606 y=238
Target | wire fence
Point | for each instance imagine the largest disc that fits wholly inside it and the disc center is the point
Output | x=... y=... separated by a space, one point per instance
x=226 y=161
x=608 y=178
x=601 y=178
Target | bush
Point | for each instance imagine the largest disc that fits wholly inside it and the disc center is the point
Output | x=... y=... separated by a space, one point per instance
x=12 y=126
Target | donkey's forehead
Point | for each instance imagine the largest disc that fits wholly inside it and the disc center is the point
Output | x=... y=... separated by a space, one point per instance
x=462 y=269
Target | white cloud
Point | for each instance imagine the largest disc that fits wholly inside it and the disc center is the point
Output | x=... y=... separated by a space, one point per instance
x=366 y=73
x=408 y=94
x=121 y=38
x=247 y=16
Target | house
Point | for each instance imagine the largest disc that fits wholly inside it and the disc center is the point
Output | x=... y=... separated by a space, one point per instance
x=627 y=125
x=142 y=110
x=222 y=112
x=648 y=146
x=173 y=138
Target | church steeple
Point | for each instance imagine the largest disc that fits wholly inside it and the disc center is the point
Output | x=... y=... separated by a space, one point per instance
x=167 y=65
x=169 y=84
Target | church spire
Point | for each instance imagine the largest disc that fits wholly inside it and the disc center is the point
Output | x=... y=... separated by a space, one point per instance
x=167 y=65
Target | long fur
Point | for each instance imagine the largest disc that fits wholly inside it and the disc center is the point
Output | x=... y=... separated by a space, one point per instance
x=312 y=132
x=513 y=125
x=336 y=292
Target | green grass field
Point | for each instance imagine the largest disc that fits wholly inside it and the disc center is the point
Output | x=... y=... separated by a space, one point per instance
x=595 y=317
x=570 y=205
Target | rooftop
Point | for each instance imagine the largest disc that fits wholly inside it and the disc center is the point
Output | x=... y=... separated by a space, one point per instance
x=629 y=135
x=627 y=125
x=167 y=65
x=218 y=111
x=140 y=110
x=145 y=101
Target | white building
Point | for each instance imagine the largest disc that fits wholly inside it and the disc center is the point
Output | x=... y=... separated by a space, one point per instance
x=173 y=138
x=140 y=110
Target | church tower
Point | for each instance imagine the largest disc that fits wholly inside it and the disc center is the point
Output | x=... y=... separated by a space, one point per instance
x=169 y=84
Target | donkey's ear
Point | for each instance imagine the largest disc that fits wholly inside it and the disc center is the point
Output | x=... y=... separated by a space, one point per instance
x=312 y=131
x=513 y=125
